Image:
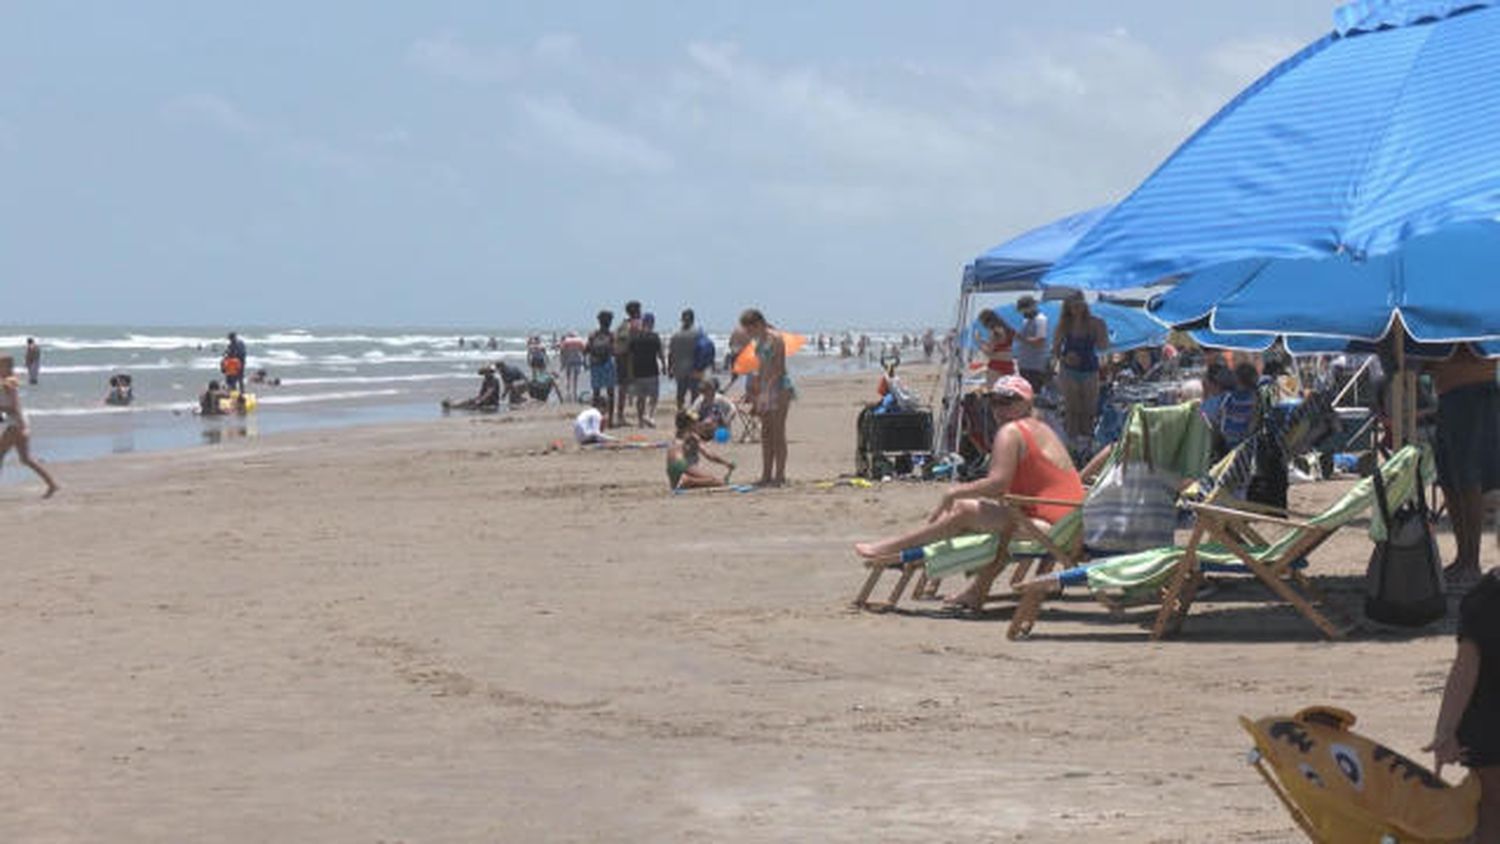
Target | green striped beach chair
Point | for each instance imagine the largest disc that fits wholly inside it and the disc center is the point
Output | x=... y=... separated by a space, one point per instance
x=1227 y=538
x=1180 y=441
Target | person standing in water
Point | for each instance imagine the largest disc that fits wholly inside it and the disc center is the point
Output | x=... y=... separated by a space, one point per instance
x=33 y=361
x=14 y=433
x=772 y=394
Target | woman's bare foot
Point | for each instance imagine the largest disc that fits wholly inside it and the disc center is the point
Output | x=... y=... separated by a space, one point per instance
x=965 y=600
x=51 y=491
x=869 y=550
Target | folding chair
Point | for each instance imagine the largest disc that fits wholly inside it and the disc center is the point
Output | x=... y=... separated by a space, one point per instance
x=1227 y=538
x=745 y=424
x=959 y=555
x=1180 y=442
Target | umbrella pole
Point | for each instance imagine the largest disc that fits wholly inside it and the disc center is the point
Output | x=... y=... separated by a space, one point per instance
x=1403 y=396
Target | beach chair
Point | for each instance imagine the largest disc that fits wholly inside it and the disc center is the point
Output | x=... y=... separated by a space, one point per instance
x=1228 y=538
x=1341 y=787
x=1180 y=442
x=744 y=423
x=1062 y=544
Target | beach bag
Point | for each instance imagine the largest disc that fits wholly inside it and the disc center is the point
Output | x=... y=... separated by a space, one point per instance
x=703 y=353
x=1133 y=507
x=1404 y=582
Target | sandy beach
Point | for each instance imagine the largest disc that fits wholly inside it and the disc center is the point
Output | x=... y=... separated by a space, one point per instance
x=446 y=631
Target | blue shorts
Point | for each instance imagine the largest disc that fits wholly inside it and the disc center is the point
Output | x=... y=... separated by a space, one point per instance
x=602 y=376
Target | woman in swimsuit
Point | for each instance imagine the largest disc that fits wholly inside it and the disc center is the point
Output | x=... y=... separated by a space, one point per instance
x=683 y=469
x=998 y=347
x=771 y=393
x=1026 y=459
x=1076 y=345
x=15 y=434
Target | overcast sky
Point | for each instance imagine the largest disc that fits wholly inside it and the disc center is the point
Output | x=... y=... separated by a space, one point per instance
x=522 y=164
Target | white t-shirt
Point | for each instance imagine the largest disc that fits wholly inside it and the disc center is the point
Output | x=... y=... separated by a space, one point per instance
x=1028 y=356
x=588 y=427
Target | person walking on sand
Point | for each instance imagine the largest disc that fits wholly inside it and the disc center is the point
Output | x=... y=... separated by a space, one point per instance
x=33 y=361
x=646 y=364
x=570 y=352
x=626 y=329
x=1468 y=723
x=601 y=355
x=771 y=394
x=681 y=354
x=14 y=433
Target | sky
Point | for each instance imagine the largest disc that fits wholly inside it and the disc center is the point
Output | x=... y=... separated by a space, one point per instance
x=522 y=164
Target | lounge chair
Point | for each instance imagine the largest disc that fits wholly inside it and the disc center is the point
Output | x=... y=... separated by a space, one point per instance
x=1180 y=442
x=1227 y=538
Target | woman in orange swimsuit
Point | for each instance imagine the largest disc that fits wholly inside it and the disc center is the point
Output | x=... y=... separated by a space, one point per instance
x=1026 y=459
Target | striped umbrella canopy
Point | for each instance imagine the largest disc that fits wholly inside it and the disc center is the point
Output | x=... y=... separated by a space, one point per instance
x=1352 y=188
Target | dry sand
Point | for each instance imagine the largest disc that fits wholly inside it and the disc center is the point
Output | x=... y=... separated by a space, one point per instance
x=442 y=632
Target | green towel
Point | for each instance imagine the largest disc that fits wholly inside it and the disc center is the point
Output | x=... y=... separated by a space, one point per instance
x=1181 y=440
x=963 y=554
x=1139 y=576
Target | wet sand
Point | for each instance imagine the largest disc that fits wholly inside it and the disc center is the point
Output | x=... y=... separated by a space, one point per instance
x=447 y=632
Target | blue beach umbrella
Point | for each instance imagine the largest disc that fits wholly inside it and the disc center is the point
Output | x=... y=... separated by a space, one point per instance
x=1354 y=187
x=1016 y=264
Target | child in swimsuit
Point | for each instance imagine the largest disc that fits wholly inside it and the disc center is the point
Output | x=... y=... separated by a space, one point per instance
x=684 y=455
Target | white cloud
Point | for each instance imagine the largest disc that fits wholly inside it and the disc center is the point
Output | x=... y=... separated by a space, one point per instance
x=593 y=140
x=211 y=109
x=446 y=56
x=557 y=48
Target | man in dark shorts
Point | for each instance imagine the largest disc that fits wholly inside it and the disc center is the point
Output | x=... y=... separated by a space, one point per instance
x=1467 y=450
x=646 y=364
x=680 y=354
x=623 y=376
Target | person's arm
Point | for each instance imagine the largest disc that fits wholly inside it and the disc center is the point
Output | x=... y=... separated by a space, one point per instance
x=1101 y=335
x=1456 y=694
x=1005 y=456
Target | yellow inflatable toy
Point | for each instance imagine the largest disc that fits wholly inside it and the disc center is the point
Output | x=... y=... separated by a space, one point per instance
x=1343 y=788
x=230 y=403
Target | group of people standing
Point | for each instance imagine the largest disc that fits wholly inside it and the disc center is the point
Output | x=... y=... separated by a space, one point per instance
x=1074 y=352
x=626 y=361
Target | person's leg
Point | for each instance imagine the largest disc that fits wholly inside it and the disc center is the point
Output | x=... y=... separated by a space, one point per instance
x=767 y=450
x=23 y=451
x=697 y=478
x=778 y=475
x=653 y=394
x=1072 y=400
x=1467 y=509
x=1487 y=831
x=967 y=516
x=1090 y=391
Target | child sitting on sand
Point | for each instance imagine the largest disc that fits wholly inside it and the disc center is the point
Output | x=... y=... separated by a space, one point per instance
x=1468 y=724
x=683 y=469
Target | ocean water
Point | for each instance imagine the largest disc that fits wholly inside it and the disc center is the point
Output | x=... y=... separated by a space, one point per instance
x=329 y=378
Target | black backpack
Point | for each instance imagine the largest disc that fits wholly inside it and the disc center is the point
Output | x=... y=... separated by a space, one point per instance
x=1404 y=583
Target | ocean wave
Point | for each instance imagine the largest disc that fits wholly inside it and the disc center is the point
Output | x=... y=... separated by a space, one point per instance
x=344 y=395
x=187 y=406
x=377 y=379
